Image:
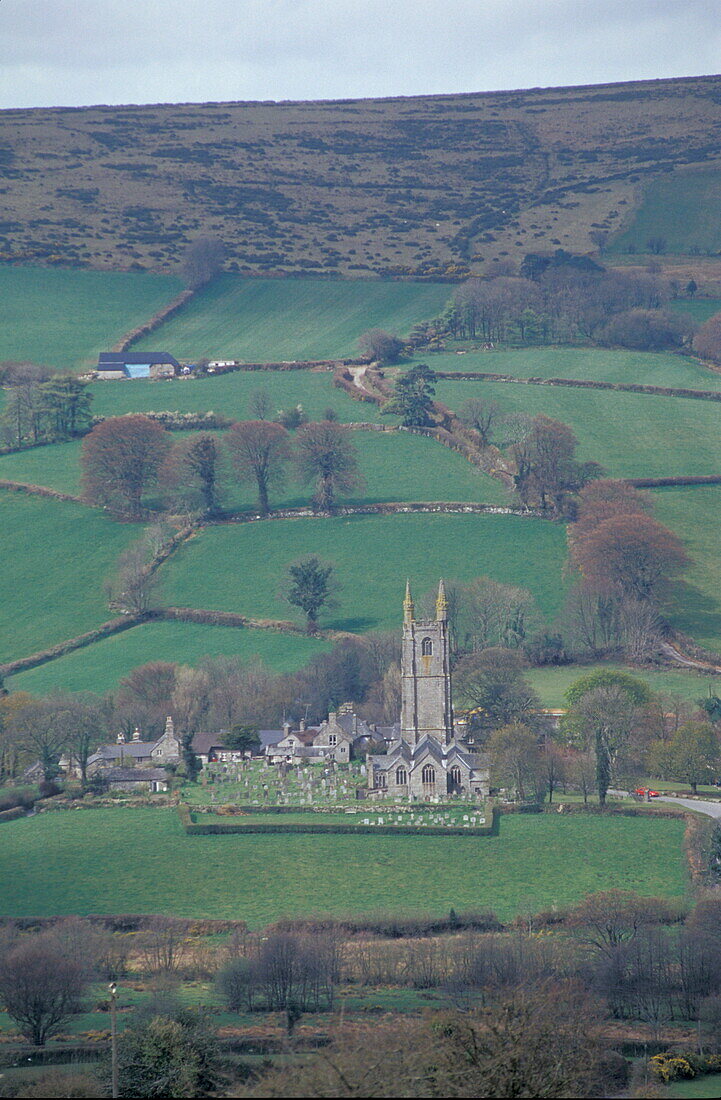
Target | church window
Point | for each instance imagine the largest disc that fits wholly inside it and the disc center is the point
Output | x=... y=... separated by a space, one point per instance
x=427 y=647
x=428 y=774
x=456 y=775
x=381 y=779
x=401 y=777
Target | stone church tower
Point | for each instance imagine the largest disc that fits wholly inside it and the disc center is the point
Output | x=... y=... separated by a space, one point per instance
x=426 y=708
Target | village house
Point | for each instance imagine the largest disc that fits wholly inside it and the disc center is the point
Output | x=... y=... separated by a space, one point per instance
x=136 y=753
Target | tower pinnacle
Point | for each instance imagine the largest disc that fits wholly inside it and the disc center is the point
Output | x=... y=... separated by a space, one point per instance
x=441 y=603
x=409 y=613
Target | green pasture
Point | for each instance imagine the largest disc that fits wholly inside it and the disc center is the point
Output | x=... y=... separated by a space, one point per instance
x=551 y=683
x=631 y=435
x=241 y=567
x=698 y=308
x=694 y=604
x=264 y=320
x=135 y=853
x=57 y=556
x=705 y=1087
x=590 y=364
x=683 y=207
x=100 y=667
x=64 y=317
x=395 y=466
x=232 y=394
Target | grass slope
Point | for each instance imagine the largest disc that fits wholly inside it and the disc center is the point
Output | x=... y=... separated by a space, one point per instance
x=100 y=667
x=242 y=567
x=551 y=683
x=275 y=319
x=63 y=318
x=629 y=434
x=595 y=364
x=694 y=605
x=265 y=878
x=395 y=466
x=232 y=394
x=683 y=207
x=56 y=558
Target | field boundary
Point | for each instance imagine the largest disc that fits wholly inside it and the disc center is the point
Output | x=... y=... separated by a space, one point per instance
x=582 y=383
x=192 y=828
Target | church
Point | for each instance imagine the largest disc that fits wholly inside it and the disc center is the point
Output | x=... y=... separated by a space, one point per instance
x=428 y=760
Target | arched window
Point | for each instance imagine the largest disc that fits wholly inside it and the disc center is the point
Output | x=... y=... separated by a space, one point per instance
x=401 y=777
x=426 y=648
x=428 y=775
x=456 y=776
x=381 y=779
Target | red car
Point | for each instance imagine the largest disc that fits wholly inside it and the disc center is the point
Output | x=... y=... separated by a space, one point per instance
x=645 y=792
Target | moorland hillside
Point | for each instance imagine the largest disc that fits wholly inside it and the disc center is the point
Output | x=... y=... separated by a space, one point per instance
x=429 y=185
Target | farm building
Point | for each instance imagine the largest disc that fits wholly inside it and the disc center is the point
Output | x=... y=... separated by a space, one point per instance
x=113 y=365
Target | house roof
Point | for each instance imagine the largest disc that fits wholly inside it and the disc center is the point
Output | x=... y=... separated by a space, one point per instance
x=135 y=775
x=109 y=359
x=204 y=742
x=137 y=750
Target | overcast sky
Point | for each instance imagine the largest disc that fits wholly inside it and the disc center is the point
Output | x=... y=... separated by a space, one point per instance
x=74 y=52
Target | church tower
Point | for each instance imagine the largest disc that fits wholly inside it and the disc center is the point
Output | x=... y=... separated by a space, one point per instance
x=426 y=674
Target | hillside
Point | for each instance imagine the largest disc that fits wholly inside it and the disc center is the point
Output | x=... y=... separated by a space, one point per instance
x=425 y=185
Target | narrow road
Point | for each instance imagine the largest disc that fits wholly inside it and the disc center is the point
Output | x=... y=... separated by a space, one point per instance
x=713 y=809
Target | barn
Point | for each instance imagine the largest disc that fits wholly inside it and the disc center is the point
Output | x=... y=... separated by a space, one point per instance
x=145 y=364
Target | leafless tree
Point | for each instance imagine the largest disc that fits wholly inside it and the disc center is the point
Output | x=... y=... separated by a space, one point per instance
x=41 y=985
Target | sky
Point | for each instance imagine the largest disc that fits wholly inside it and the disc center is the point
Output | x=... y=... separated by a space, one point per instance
x=79 y=52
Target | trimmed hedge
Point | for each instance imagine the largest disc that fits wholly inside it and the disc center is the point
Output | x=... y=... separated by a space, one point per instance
x=193 y=829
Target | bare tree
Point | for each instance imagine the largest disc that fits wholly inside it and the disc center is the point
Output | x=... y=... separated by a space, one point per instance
x=480 y=415
x=203 y=259
x=40 y=985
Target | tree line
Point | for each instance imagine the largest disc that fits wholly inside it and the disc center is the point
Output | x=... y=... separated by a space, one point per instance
x=125 y=457
x=564 y=299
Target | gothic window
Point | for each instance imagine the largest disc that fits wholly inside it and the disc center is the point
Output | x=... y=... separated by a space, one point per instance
x=426 y=648
x=401 y=777
x=428 y=774
x=456 y=776
x=381 y=779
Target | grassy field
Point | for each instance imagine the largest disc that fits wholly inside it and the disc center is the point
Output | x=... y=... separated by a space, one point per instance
x=241 y=567
x=57 y=556
x=259 y=320
x=551 y=683
x=595 y=364
x=394 y=466
x=694 y=605
x=232 y=394
x=101 y=666
x=265 y=878
x=683 y=207
x=706 y=1087
x=629 y=434
x=64 y=317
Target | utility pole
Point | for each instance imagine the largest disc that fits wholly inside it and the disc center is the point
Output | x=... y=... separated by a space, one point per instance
x=114 y=1037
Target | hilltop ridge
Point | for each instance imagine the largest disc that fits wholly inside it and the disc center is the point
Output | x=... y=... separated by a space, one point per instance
x=428 y=185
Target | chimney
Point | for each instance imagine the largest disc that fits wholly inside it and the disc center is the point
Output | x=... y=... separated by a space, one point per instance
x=286 y=729
x=302 y=725
x=121 y=738
x=136 y=734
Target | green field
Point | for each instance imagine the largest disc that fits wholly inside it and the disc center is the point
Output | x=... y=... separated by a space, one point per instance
x=231 y=395
x=57 y=556
x=594 y=364
x=263 y=320
x=705 y=1087
x=241 y=567
x=64 y=317
x=395 y=466
x=265 y=878
x=101 y=666
x=698 y=308
x=551 y=683
x=631 y=435
x=683 y=207
x=694 y=605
